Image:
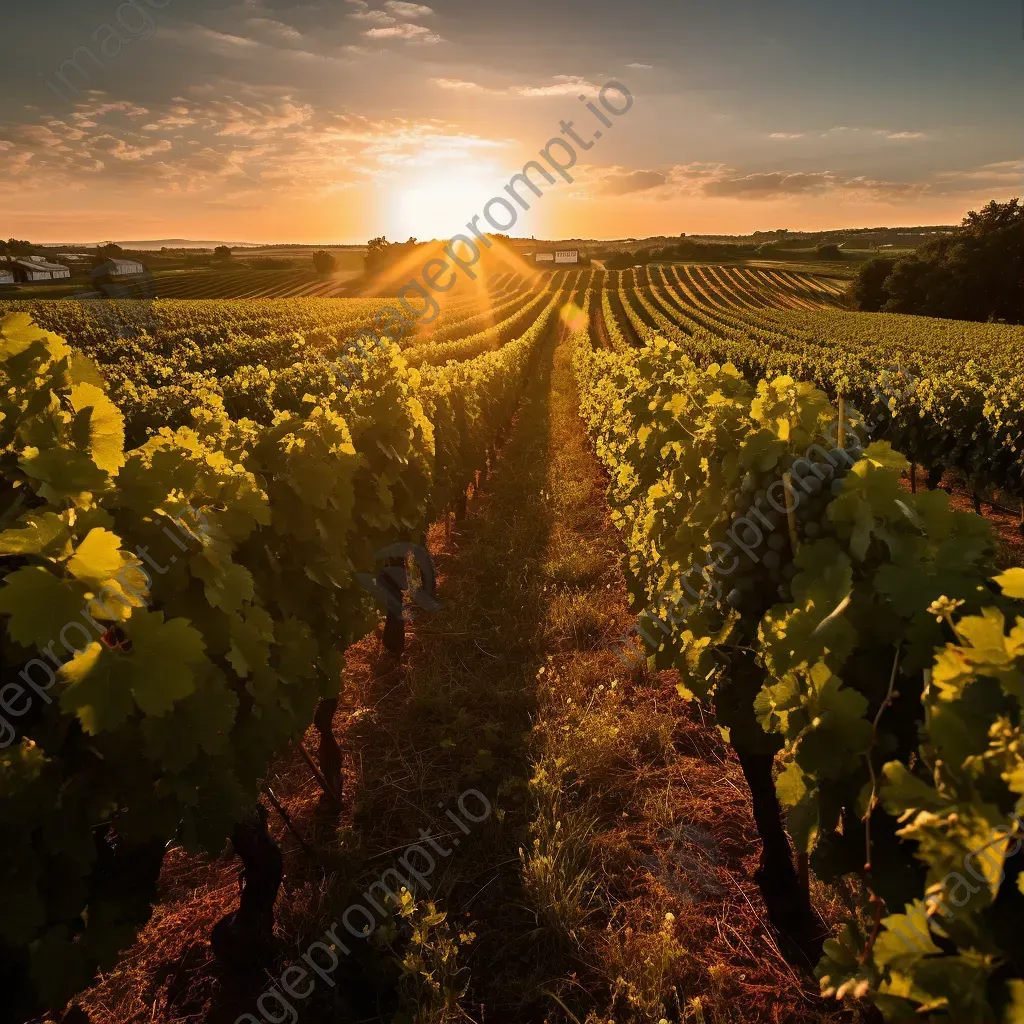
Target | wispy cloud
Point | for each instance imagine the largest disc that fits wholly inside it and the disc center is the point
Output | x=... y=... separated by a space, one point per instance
x=616 y=184
x=461 y=85
x=641 y=67
x=275 y=29
x=562 y=85
x=225 y=149
x=407 y=10
x=884 y=133
x=380 y=17
x=719 y=181
x=786 y=135
x=411 y=33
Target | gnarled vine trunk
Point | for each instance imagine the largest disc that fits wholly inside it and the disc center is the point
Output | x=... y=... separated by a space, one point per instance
x=245 y=936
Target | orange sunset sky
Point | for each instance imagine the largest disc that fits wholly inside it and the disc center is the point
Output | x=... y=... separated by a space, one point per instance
x=274 y=120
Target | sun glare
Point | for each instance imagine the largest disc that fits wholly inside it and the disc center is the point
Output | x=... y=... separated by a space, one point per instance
x=439 y=205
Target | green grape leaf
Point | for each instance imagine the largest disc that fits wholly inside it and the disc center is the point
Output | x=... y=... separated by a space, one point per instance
x=100 y=697
x=44 y=534
x=791 y=785
x=97 y=559
x=65 y=472
x=39 y=604
x=19 y=332
x=251 y=637
x=903 y=790
x=227 y=585
x=298 y=653
x=881 y=454
x=1012 y=583
x=905 y=938
x=163 y=662
x=201 y=721
x=1013 y=1012
x=98 y=427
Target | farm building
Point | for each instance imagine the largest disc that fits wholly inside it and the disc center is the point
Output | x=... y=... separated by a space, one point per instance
x=123 y=279
x=35 y=268
x=557 y=256
x=6 y=277
x=120 y=268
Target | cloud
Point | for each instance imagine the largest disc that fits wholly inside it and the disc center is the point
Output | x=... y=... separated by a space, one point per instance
x=1004 y=173
x=641 y=67
x=719 y=181
x=786 y=135
x=883 y=132
x=380 y=17
x=901 y=135
x=884 y=190
x=275 y=29
x=767 y=185
x=407 y=10
x=631 y=181
x=411 y=33
x=235 y=149
x=460 y=85
x=564 y=85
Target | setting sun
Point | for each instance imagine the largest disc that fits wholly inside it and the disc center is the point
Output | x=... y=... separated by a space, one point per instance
x=439 y=203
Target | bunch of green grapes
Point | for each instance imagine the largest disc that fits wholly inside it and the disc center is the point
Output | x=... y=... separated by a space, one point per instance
x=765 y=553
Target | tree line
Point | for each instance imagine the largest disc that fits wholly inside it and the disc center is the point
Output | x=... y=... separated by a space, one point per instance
x=975 y=274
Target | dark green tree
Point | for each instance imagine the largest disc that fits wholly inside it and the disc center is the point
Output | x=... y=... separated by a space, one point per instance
x=868 y=288
x=975 y=274
x=324 y=263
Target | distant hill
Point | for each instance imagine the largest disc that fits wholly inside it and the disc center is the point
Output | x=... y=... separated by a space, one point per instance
x=157 y=244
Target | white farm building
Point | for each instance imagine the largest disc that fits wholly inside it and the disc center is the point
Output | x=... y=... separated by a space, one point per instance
x=557 y=256
x=35 y=268
x=120 y=268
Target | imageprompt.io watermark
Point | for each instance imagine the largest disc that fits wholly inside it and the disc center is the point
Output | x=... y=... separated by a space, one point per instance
x=463 y=251
x=668 y=611
x=107 y=43
x=361 y=919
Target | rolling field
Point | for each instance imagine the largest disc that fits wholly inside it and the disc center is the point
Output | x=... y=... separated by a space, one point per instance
x=252 y=284
x=635 y=569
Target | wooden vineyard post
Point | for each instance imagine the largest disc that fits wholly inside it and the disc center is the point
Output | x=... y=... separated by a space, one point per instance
x=841 y=437
x=913 y=478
